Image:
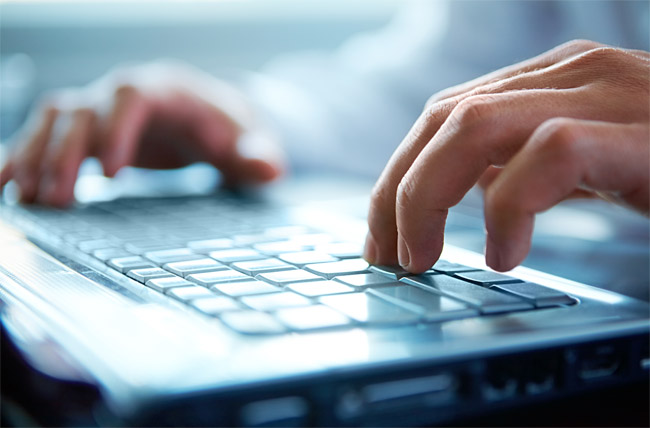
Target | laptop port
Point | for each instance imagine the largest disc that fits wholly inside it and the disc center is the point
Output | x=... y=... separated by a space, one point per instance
x=541 y=374
x=599 y=362
x=502 y=380
x=399 y=394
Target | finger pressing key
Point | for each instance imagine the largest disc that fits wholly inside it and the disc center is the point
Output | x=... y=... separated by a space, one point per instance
x=67 y=149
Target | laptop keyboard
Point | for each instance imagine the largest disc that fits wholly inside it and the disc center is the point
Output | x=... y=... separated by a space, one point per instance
x=251 y=267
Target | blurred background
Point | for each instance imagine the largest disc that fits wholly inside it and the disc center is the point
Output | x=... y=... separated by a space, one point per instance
x=51 y=44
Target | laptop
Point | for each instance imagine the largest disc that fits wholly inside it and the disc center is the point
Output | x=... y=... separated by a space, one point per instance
x=256 y=309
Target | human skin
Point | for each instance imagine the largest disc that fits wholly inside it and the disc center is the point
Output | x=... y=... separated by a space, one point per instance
x=574 y=121
x=160 y=115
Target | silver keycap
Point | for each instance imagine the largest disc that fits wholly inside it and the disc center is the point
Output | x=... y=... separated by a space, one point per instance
x=364 y=280
x=189 y=293
x=488 y=301
x=320 y=288
x=168 y=256
x=236 y=255
x=394 y=272
x=208 y=278
x=215 y=305
x=307 y=257
x=434 y=307
x=252 y=322
x=163 y=284
x=125 y=264
x=206 y=246
x=105 y=254
x=288 y=276
x=194 y=266
x=369 y=309
x=144 y=275
x=277 y=248
x=311 y=318
x=342 y=250
x=254 y=267
x=245 y=288
x=269 y=302
x=343 y=267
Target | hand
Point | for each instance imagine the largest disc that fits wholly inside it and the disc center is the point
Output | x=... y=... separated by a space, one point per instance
x=572 y=121
x=162 y=115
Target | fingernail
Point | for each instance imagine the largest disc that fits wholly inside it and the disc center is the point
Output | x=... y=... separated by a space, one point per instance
x=403 y=253
x=370 y=249
x=492 y=255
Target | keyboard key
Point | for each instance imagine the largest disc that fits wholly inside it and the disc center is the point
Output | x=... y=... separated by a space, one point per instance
x=187 y=294
x=488 y=301
x=286 y=231
x=269 y=302
x=206 y=246
x=206 y=279
x=311 y=318
x=369 y=309
x=364 y=280
x=250 y=239
x=163 y=284
x=236 y=255
x=168 y=256
x=447 y=267
x=95 y=244
x=125 y=264
x=342 y=250
x=144 y=275
x=302 y=258
x=148 y=246
x=393 y=272
x=539 y=295
x=320 y=288
x=343 y=267
x=434 y=307
x=105 y=254
x=277 y=248
x=194 y=266
x=486 y=277
x=312 y=239
x=261 y=266
x=245 y=288
x=215 y=305
x=288 y=276
x=252 y=322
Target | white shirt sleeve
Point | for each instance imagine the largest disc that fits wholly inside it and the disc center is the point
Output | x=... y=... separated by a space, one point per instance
x=349 y=110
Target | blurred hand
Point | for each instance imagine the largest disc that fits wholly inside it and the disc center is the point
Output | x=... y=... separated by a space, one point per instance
x=572 y=121
x=161 y=115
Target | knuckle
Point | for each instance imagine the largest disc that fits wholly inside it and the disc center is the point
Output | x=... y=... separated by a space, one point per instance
x=474 y=110
x=558 y=137
x=126 y=91
x=582 y=44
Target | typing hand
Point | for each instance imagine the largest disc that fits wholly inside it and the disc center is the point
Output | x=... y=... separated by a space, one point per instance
x=161 y=115
x=572 y=121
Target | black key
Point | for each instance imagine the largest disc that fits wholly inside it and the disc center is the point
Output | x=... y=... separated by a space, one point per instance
x=488 y=301
x=486 y=277
x=539 y=295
